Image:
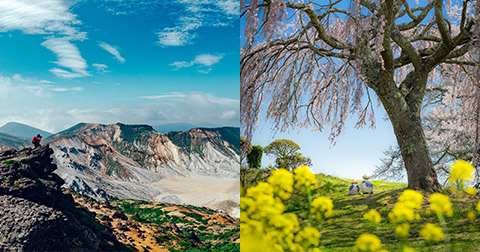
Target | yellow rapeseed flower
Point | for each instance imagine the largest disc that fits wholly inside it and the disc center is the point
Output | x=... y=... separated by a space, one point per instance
x=471 y=215
x=372 y=216
x=478 y=206
x=411 y=198
x=303 y=176
x=262 y=188
x=401 y=212
x=461 y=171
x=401 y=231
x=441 y=204
x=368 y=242
x=308 y=236
x=282 y=182
x=408 y=249
x=470 y=190
x=428 y=212
x=315 y=250
x=432 y=232
x=321 y=207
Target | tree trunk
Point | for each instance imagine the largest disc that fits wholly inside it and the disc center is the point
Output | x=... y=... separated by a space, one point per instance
x=415 y=154
x=403 y=105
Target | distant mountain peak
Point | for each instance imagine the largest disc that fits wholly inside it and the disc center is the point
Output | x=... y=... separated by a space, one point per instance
x=22 y=130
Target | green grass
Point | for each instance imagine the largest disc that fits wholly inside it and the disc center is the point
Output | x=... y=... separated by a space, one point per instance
x=157 y=215
x=8 y=162
x=347 y=220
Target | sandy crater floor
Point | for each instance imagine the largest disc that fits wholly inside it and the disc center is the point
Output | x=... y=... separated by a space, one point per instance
x=217 y=193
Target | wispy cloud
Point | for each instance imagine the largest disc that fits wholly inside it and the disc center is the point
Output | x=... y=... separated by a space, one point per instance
x=112 y=50
x=100 y=67
x=203 y=13
x=68 y=56
x=203 y=60
x=48 y=17
x=181 y=34
x=165 y=96
x=72 y=89
x=18 y=89
x=206 y=96
x=39 y=17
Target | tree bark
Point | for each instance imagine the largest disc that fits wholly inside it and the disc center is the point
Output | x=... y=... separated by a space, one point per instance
x=415 y=154
x=403 y=105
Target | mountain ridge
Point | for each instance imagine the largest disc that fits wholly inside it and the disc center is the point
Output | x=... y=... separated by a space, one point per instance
x=23 y=130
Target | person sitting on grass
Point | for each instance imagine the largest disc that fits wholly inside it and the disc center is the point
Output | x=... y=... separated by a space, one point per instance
x=354 y=189
x=367 y=186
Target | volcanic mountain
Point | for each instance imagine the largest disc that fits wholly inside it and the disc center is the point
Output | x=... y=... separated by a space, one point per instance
x=198 y=166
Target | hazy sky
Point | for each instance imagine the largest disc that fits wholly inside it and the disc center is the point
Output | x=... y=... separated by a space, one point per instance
x=107 y=61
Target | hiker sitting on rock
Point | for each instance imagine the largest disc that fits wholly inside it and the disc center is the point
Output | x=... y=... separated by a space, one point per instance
x=36 y=141
x=354 y=189
x=367 y=186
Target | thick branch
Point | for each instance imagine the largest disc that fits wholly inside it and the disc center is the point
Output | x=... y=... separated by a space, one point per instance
x=331 y=41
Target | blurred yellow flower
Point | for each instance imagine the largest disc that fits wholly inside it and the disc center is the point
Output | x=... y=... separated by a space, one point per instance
x=303 y=176
x=441 y=204
x=478 y=206
x=470 y=190
x=401 y=212
x=461 y=171
x=262 y=188
x=471 y=215
x=428 y=212
x=372 y=216
x=432 y=232
x=315 y=250
x=368 y=242
x=321 y=207
x=411 y=198
x=282 y=182
x=408 y=249
x=401 y=231
x=308 y=236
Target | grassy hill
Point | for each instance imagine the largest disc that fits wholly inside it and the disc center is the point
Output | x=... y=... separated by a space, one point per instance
x=340 y=231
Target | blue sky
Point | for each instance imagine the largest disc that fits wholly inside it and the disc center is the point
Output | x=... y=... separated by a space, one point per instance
x=356 y=152
x=107 y=61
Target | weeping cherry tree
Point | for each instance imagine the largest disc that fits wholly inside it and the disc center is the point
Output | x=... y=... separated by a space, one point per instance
x=314 y=63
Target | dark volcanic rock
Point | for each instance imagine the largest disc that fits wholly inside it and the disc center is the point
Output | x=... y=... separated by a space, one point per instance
x=26 y=225
x=34 y=213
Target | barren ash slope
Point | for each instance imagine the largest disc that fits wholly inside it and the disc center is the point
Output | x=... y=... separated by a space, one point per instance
x=198 y=167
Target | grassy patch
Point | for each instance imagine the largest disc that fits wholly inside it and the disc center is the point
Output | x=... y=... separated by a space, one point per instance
x=347 y=223
x=8 y=162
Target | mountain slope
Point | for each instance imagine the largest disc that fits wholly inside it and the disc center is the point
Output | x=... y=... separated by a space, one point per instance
x=130 y=161
x=34 y=213
x=12 y=142
x=22 y=130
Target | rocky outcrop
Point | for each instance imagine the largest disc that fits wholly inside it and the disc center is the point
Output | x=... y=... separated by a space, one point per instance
x=34 y=213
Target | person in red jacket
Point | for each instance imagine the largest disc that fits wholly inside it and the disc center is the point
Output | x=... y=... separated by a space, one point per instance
x=36 y=141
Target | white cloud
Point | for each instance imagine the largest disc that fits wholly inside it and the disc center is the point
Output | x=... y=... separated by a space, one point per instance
x=181 y=34
x=203 y=60
x=175 y=37
x=198 y=14
x=48 y=17
x=38 y=17
x=72 y=89
x=113 y=51
x=68 y=56
x=100 y=67
x=165 y=96
x=198 y=107
x=230 y=7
